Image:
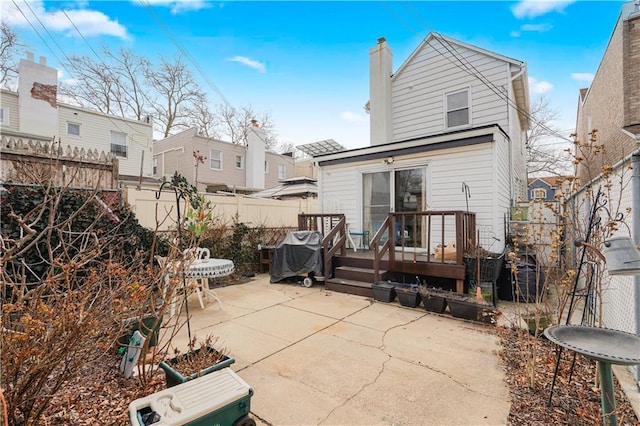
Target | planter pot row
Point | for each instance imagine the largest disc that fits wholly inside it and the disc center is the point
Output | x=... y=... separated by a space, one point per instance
x=435 y=300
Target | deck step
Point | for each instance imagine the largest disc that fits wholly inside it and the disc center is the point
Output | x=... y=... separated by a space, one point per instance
x=342 y=285
x=357 y=274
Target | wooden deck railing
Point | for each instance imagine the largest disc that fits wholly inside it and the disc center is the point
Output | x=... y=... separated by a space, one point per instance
x=334 y=230
x=380 y=247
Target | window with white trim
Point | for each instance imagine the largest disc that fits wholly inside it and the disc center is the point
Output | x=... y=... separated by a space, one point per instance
x=266 y=166
x=282 y=171
x=538 y=193
x=119 y=144
x=239 y=162
x=73 y=129
x=155 y=166
x=4 y=115
x=457 y=108
x=215 y=157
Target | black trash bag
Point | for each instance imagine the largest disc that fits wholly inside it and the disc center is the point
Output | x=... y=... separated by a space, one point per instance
x=531 y=283
x=300 y=252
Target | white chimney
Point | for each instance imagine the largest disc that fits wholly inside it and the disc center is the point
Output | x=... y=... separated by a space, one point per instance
x=255 y=156
x=380 y=69
x=37 y=98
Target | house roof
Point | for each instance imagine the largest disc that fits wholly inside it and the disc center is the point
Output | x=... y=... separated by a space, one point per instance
x=451 y=139
x=551 y=181
x=301 y=186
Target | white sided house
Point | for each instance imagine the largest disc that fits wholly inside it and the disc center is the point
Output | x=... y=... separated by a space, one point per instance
x=447 y=134
x=33 y=113
x=225 y=166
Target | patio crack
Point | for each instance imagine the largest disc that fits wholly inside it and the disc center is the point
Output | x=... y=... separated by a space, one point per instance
x=364 y=386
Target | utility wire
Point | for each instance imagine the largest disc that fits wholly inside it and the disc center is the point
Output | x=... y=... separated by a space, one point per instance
x=468 y=68
x=62 y=63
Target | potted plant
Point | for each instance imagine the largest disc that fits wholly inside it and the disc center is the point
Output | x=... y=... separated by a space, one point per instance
x=474 y=309
x=433 y=299
x=384 y=291
x=408 y=295
x=537 y=321
x=195 y=363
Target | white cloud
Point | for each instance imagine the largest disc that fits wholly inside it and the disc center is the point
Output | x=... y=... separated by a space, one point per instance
x=352 y=117
x=539 y=87
x=534 y=8
x=259 y=66
x=582 y=76
x=514 y=33
x=536 y=28
x=179 y=6
x=89 y=22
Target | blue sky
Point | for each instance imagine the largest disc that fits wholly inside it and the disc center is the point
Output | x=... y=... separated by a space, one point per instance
x=307 y=62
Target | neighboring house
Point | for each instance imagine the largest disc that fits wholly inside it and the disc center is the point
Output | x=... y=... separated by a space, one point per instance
x=34 y=113
x=227 y=166
x=451 y=116
x=544 y=188
x=611 y=105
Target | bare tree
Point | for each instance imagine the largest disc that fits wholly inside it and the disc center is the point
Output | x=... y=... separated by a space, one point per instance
x=176 y=93
x=204 y=119
x=285 y=147
x=8 y=51
x=543 y=154
x=113 y=84
x=235 y=123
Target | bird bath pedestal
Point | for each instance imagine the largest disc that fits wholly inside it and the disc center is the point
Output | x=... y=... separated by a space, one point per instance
x=607 y=347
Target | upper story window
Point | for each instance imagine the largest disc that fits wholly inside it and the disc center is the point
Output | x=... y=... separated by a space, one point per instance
x=239 y=162
x=73 y=129
x=458 y=108
x=155 y=166
x=266 y=166
x=215 y=157
x=4 y=115
x=538 y=193
x=119 y=144
x=282 y=171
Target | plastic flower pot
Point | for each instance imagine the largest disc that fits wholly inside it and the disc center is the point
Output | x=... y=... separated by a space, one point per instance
x=433 y=299
x=408 y=296
x=468 y=308
x=172 y=368
x=384 y=292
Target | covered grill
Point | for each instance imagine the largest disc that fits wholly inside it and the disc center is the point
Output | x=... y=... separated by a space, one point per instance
x=299 y=253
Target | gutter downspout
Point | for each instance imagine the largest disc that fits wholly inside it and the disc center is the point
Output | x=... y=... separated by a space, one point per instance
x=635 y=209
x=511 y=184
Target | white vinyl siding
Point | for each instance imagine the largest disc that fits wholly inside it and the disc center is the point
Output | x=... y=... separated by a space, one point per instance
x=95 y=135
x=446 y=170
x=9 y=101
x=73 y=129
x=417 y=102
x=119 y=144
x=215 y=159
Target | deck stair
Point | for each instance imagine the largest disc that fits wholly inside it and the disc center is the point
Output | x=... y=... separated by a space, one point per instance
x=353 y=275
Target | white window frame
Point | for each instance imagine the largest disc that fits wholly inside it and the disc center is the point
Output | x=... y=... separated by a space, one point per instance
x=118 y=152
x=217 y=158
x=71 y=123
x=538 y=193
x=241 y=166
x=447 y=111
x=155 y=166
x=4 y=116
x=266 y=167
x=282 y=171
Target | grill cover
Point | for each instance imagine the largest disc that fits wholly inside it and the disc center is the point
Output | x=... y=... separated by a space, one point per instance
x=300 y=252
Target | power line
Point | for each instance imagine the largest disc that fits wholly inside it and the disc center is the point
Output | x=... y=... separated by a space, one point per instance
x=466 y=66
x=63 y=53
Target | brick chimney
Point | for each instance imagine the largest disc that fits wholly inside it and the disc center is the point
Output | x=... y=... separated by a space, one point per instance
x=37 y=97
x=380 y=69
x=255 y=156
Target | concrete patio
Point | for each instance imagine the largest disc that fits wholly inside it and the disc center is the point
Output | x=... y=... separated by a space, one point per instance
x=320 y=357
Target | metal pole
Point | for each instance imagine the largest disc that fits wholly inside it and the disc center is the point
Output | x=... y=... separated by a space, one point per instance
x=635 y=226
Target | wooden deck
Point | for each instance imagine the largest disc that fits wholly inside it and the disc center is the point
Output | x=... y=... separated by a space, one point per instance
x=355 y=271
